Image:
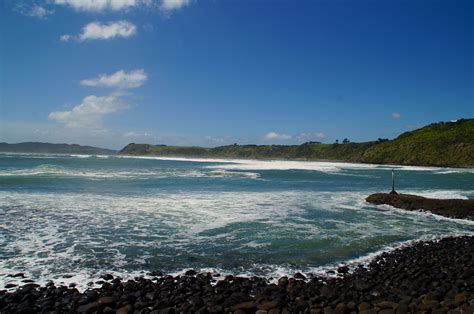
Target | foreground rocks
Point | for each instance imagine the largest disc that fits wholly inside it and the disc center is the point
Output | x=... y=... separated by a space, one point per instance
x=453 y=208
x=427 y=277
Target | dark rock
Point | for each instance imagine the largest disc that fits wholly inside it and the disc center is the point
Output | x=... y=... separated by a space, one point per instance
x=343 y=270
x=299 y=276
x=190 y=272
x=245 y=306
x=88 y=308
x=127 y=309
x=18 y=275
x=107 y=277
x=155 y=273
x=455 y=208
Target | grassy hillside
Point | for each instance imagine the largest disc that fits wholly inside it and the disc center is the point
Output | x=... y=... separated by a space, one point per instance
x=438 y=144
x=37 y=147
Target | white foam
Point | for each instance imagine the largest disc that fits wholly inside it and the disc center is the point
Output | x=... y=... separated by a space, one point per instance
x=252 y=164
x=151 y=173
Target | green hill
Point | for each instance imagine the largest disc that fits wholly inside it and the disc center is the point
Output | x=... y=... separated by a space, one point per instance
x=438 y=144
x=49 y=148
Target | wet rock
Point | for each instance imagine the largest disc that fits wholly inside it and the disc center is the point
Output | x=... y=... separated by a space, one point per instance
x=245 y=306
x=454 y=208
x=18 y=275
x=283 y=281
x=343 y=269
x=299 y=276
x=155 y=273
x=190 y=272
x=107 y=277
x=127 y=309
x=88 y=308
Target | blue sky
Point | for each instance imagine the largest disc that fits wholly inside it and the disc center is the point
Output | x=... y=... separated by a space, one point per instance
x=196 y=72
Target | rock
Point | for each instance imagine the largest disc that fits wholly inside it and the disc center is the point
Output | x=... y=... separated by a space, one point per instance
x=125 y=309
x=155 y=273
x=364 y=306
x=107 y=277
x=362 y=286
x=190 y=272
x=245 y=306
x=283 y=281
x=106 y=301
x=387 y=305
x=343 y=270
x=18 y=275
x=341 y=308
x=460 y=298
x=326 y=291
x=269 y=305
x=299 y=276
x=10 y=285
x=455 y=208
x=88 y=308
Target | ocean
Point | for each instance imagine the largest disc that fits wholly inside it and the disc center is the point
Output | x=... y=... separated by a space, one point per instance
x=70 y=218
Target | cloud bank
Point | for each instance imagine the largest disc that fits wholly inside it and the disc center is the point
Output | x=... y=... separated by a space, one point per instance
x=103 y=31
x=119 y=79
x=170 y=5
x=396 y=115
x=277 y=136
x=90 y=112
x=100 y=5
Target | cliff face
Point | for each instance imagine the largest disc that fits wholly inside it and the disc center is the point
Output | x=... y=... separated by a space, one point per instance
x=439 y=144
x=453 y=208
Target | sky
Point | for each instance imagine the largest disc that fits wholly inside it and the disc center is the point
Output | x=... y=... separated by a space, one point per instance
x=217 y=72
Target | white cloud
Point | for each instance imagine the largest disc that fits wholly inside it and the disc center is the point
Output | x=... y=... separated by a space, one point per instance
x=97 y=30
x=277 y=136
x=170 y=5
x=413 y=126
x=310 y=136
x=90 y=112
x=100 y=5
x=119 y=79
x=66 y=37
x=396 y=115
x=34 y=10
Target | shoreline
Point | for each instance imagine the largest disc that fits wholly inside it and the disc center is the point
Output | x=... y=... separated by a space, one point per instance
x=226 y=159
x=468 y=168
x=433 y=275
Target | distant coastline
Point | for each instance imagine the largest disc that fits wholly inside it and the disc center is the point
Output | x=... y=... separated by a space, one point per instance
x=50 y=148
x=444 y=144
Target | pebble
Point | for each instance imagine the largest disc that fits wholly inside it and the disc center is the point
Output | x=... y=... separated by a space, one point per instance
x=424 y=277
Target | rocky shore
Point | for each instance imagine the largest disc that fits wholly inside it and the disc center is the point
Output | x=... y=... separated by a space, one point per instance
x=426 y=277
x=452 y=208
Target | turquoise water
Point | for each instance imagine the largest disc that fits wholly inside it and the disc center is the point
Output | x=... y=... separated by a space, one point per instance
x=85 y=215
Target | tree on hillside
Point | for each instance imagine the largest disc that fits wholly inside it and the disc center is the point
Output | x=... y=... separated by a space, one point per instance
x=346 y=141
